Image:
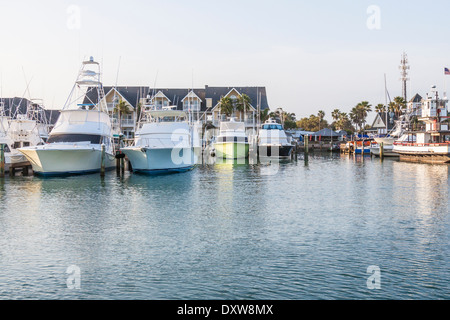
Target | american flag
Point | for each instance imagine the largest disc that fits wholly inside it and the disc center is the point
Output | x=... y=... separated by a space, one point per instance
x=446 y=71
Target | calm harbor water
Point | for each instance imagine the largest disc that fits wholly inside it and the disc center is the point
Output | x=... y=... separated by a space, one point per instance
x=231 y=232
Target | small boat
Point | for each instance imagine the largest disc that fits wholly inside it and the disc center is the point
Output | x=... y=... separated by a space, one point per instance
x=164 y=142
x=358 y=146
x=232 y=141
x=388 y=150
x=82 y=136
x=273 y=141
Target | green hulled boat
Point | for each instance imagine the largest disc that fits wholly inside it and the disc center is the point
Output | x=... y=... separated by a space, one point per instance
x=232 y=142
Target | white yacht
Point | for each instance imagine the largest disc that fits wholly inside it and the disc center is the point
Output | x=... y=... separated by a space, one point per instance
x=164 y=142
x=273 y=141
x=232 y=141
x=83 y=128
x=15 y=134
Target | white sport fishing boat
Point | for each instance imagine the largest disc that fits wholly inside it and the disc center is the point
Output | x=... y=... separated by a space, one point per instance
x=83 y=129
x=164 y=142
x=15 y=134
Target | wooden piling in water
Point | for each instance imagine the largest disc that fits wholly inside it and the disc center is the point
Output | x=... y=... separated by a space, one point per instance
x=102 y=165
x=382 y=151
x=306 y=144
x=2 y=160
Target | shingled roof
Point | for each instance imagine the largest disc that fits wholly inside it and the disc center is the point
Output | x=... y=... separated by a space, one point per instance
x=216 y=93
x=134 y=94
x=14 y=106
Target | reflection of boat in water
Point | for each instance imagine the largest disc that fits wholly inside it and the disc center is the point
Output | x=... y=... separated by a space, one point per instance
x=232 y=141
x=272 y=141
x=75 y=144
x=164 y=143
x=233 y=162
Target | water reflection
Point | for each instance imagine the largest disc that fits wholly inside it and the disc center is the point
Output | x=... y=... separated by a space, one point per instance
x=271 y=230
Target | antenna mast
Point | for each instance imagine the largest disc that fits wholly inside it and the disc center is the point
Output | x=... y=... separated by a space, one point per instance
x=404 y=70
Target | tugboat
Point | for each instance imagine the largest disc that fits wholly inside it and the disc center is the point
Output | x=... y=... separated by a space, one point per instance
x=431 y=144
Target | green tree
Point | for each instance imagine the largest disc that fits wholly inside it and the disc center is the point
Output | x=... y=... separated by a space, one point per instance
x=380 y=108
x=320 y=115
x=120 y=109
x=242 y=104
x=264 y=115
x=399 y=106
x=226 y=106
x=359 y=113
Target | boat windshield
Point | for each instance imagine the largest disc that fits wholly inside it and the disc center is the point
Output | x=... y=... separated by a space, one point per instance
x=272 y=127
x=61 y=138
x=6 y=148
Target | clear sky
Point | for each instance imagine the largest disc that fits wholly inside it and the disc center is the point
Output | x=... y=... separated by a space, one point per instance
x=310 y=55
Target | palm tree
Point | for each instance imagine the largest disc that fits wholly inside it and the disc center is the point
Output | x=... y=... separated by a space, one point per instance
x=242 y=103
x=399 y=105
x=321 y=115
x=120 y=109
x=380 y=108
x=359 y=114
x=336 y=114
x=226 y=106
x=264 y=115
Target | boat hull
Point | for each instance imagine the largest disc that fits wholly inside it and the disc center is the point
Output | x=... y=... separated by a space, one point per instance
x=387 y=152
x=50 y=162
x=164 y=160
x=232 y=150
x=275 y=151
x=425 y=153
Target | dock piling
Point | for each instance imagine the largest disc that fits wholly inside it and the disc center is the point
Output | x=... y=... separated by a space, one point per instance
x=2 y=160
x=381 y=151
x=102 y=165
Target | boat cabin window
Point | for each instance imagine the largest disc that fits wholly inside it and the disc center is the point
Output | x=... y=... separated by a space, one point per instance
x=6 y=148
x=16 y=145
x=272 y=127
x=59 y=138
x=232 y=139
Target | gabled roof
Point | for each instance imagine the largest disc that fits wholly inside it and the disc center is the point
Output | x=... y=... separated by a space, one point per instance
x=416 y=98
x=216 y=93
x=176 y=96
x=191 y=95
x=380 y=120
x=326 y=132
x=114 y=90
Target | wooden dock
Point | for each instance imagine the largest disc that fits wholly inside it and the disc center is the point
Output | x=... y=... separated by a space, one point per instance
x=24 y=167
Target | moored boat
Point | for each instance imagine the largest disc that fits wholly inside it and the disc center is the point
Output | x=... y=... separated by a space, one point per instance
x=232 y=141
x=164 y=143
x=273 y=141
x=81 y=140
x=431 y=144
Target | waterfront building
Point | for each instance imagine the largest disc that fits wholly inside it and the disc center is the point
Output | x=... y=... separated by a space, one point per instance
x=202 y=103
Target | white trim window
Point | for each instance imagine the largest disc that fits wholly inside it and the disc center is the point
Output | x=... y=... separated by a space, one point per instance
x=191 y=105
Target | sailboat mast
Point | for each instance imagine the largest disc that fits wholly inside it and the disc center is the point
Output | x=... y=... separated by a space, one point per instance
x=385 y=97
